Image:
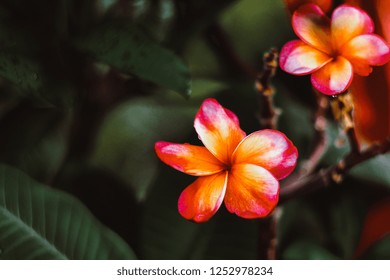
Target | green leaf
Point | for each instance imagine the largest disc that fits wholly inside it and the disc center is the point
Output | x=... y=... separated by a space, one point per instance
x=380 y=250
x=375 y=170
x=131 y=51
x=37 y=222
x=306 y=250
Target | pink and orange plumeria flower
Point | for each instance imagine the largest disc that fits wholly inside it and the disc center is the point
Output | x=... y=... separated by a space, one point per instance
x=332 y=50
x=243 y=171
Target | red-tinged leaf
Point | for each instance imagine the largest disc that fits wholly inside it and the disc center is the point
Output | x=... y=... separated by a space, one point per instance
x=376 y=226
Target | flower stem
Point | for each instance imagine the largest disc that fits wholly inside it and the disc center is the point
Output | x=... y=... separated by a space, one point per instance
x=321 y=140
x=267 y=236
x=268 y=113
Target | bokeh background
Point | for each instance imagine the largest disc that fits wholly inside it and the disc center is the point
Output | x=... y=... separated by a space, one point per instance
x=86 y=89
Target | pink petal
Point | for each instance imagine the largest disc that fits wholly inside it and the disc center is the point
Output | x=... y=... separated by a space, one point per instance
x=365 y=50
x=193 y=160
x=348 y=22
x=334 y=78
x=252 y=191
x=232 y=116
x=218 y=130
x=269 y=149
x=313 y=27
x=202 y=199
x=298 y=58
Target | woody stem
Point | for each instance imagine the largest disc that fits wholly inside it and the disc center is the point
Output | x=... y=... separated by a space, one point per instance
x=268 y=113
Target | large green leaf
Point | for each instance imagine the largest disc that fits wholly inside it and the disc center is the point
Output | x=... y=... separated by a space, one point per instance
x=37 y=222
x=130 y=50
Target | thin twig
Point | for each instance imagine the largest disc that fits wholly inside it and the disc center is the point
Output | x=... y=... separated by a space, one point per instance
x=273 y=243
x=267 y=236
x=334 y=174
x=321 y=140
x=268 y=113
x=309 y=165
x=268 y=119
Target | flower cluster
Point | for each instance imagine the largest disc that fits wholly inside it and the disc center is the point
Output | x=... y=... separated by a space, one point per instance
x=243 y=171
x=332 y=50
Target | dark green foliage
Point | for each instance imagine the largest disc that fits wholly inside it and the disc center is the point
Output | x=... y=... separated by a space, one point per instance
x=40 y=223
x=128 y=49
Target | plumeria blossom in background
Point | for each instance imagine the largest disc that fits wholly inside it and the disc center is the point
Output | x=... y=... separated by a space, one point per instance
x=371 y=95
x=243 y=171
x=332 y=50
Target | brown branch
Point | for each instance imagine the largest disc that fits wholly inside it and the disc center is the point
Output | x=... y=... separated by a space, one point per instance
x=268 y=113
x=334 y=174
x=268 y=119
x=267 y=232
x=309 y=165
x=342 y=108
x=321 y=140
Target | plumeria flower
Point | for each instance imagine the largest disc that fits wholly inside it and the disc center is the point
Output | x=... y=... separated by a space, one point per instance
x=332 y=50
x=243 y=171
